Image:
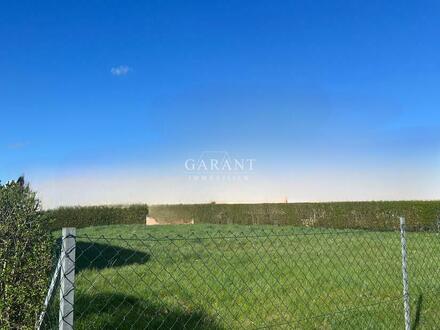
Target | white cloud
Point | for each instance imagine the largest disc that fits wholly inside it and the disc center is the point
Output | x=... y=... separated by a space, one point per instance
x=120 y=70
x=17 y=145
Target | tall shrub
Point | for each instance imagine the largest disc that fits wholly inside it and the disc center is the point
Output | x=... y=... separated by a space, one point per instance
x=25 y=256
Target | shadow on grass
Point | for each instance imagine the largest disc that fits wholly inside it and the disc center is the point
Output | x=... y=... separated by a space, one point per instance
x=111 y=311
x=91 y=255
x=418 y=312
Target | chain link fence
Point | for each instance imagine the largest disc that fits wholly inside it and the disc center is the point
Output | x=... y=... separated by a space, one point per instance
x=247 y=278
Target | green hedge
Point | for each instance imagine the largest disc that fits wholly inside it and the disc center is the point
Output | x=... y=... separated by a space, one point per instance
x=85 y=216
x=25 y=256
x=366 y=215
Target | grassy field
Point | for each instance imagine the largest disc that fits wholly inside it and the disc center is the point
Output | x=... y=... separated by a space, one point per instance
x=231 y=276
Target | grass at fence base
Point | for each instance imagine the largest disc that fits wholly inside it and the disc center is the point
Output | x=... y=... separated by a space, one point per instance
x=244 y=277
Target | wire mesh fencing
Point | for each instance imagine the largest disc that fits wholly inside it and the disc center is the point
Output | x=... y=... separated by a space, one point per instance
x=238 y=277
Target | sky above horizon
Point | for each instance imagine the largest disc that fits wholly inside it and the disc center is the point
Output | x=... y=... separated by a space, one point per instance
x=104 y=101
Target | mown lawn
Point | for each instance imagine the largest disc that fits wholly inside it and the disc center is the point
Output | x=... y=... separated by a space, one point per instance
x=225 y=276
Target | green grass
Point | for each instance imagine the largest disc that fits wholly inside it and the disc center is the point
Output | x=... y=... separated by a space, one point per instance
x=231 y=276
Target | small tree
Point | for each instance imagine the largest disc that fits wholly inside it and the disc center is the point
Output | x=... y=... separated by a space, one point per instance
x=25 y=256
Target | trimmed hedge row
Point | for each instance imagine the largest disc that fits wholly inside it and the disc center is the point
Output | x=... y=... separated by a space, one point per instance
x=366 y=215
x=85 y=216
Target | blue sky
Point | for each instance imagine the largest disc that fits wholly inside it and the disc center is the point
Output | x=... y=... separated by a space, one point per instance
x=343 y=91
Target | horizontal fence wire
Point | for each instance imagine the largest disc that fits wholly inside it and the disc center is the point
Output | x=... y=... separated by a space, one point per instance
x=245 y=277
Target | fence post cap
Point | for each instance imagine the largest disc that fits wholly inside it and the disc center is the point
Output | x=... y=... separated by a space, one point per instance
x=69 y=230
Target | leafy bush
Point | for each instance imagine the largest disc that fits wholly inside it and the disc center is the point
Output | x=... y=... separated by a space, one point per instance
x=85 y=216
x=25 y=256
x=366 y=215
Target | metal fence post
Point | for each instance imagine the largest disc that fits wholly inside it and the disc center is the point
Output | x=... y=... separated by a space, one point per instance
x=67 y=277
x=405 y=276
